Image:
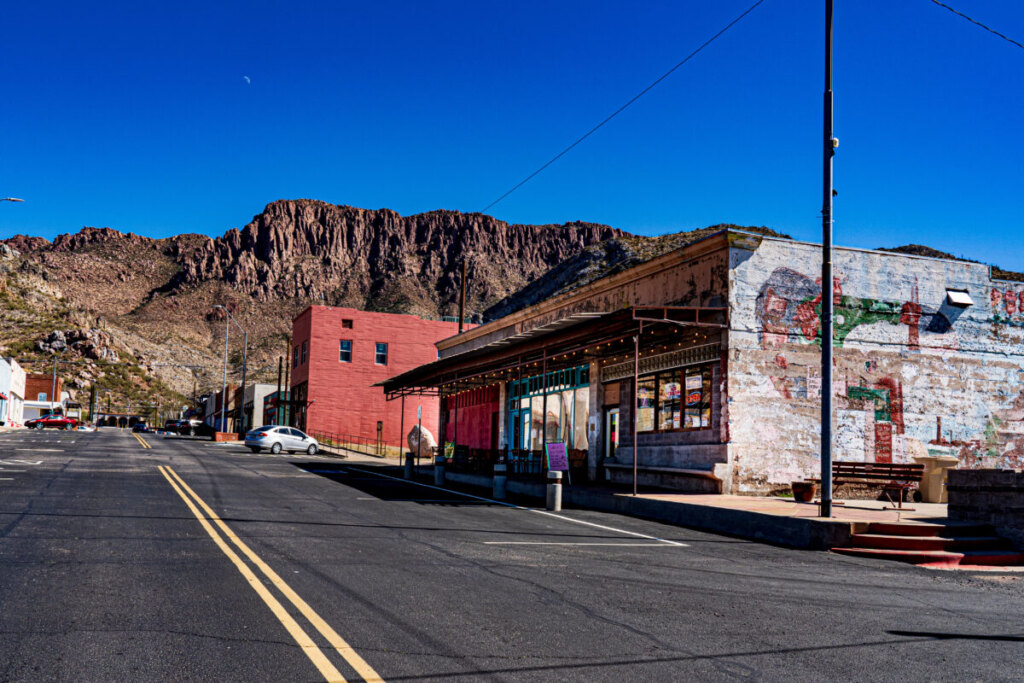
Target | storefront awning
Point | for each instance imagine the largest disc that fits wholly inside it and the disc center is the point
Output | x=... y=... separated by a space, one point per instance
x=547 y=343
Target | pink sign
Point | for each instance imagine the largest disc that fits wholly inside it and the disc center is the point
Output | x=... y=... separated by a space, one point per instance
x=558 y=458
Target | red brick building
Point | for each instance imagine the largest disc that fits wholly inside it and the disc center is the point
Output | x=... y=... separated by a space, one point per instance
x=338 y=354
x=38 y=386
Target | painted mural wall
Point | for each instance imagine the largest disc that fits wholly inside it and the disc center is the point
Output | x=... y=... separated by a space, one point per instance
x=914 y=375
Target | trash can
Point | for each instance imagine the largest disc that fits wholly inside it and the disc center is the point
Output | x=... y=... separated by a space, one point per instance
x=933 y=480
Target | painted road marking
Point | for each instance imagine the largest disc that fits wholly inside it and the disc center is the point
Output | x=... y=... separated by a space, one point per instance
x=141 y=440
x=339 y=644
x=41 y=450
x=310 y=648
x=619 y=545
x=520 y=507
x=23 y=462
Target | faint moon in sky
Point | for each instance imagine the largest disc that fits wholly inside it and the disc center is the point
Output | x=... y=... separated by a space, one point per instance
x=247 y=80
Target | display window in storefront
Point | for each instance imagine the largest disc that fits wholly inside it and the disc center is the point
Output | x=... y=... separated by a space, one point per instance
x=674 y=400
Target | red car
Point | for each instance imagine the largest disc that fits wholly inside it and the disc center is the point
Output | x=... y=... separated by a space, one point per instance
x=55 y=421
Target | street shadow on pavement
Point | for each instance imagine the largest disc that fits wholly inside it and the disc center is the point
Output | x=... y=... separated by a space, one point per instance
x=390 y=489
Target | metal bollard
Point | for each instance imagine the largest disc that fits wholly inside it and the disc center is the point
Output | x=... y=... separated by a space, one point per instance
x=439 y=462
x=500 y=478
x=554 y=491
x=408 y=466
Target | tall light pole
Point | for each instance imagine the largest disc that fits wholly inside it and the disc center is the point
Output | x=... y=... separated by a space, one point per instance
x=245 y=354
x=826 y=278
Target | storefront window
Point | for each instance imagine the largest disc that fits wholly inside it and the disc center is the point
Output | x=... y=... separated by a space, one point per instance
x=554 y=416
x=562 y=417
x=645 y=400
x=668 y=401
x=679 y=399
x=581 y=418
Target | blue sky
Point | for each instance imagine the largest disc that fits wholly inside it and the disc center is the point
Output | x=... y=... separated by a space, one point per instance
x=137 y=115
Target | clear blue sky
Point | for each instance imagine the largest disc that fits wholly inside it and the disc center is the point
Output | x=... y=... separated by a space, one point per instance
x=137 y=115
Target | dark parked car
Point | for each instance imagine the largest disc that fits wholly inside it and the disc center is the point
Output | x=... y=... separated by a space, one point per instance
x=141 y=427
x=53 y=421
x=171 y=426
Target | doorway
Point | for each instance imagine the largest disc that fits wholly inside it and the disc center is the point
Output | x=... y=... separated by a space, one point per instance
x=611 y=432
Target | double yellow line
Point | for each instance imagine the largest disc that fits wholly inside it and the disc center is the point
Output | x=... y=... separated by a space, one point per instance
x=141 y=440
x=310 y=648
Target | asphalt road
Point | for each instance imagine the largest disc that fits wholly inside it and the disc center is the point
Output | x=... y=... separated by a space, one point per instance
x=168 y=560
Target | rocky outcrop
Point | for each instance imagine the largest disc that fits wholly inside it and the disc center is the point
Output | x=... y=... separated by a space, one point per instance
x=381 y=260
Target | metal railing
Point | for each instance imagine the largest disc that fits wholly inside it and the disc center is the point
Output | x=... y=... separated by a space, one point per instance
x=354 y=443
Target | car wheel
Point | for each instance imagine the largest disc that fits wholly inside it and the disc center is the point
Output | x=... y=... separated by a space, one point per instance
x=312 y=449
x=254 y=449
x=276 y=448
x=39 y=425
x=67 y=428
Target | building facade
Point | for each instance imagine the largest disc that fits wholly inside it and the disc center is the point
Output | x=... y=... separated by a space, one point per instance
x=43 y=395
x=12 y=392
x=929 y=359
x=339 y=354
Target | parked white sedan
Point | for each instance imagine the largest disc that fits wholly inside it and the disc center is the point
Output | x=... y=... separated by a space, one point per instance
x=276 y=438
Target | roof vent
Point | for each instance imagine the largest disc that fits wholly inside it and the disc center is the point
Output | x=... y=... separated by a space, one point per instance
x=959 y=297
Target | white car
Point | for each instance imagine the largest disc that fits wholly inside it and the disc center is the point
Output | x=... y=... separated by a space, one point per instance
x=276 y=438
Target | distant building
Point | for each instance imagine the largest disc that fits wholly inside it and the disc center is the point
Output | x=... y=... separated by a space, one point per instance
x=725 y=332
x=213 y=413
x=339 y=354
x=252 y=404
x=40 y=396
x=275 y=408
x=12 y=393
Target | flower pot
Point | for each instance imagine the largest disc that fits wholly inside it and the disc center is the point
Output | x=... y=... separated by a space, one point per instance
x=803 y=491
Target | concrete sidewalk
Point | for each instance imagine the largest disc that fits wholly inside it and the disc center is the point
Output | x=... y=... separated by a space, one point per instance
x=773 y=520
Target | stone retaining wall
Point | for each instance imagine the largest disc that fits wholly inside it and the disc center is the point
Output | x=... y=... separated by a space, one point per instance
x=993 y=497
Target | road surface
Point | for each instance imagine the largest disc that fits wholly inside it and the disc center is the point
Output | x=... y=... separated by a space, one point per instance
x=125 y=558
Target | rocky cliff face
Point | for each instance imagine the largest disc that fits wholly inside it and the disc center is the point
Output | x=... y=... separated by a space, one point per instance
x=380 y=260
x=153 y=299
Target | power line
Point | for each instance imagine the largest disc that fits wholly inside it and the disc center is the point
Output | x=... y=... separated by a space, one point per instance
x=978 y=23
x=623 y=107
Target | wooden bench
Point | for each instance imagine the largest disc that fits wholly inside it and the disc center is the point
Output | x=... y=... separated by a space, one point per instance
x=888 y=476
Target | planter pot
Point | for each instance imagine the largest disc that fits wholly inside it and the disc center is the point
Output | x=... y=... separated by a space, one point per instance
x=803 y=491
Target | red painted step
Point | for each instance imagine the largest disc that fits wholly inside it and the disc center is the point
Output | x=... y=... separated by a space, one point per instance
x=943 y=530
x=935 y=545
x=948 y=543
x=940 y=557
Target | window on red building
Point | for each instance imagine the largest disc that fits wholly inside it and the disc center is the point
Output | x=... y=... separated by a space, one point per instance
x=346 y=324
x=380 y=357
x=295 y=357
x=345 y=350
x=303 y=360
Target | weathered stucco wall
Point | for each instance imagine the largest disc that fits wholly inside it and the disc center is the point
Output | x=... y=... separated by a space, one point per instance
x=906 y=361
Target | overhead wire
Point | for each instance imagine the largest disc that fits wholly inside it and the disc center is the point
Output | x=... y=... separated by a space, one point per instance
x=978 y=23
x=624 y=106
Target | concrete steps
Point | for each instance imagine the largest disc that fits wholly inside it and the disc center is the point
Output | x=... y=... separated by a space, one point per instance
x=935 y=545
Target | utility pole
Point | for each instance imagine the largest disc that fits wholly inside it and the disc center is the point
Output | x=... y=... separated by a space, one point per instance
x=224 y=383
x=277 y=397
x=830 y=143
x=462 y=297
x=287 y=387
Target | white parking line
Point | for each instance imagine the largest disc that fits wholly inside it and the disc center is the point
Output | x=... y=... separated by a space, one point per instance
x=520 y=507
x=620 y=545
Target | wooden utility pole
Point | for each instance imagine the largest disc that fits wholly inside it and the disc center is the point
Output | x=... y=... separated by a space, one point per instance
x=462 y=297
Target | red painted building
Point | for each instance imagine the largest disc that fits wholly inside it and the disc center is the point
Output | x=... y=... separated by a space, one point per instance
x=338 y=354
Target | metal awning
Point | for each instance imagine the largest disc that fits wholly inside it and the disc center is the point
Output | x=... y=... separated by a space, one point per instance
x=595 y=329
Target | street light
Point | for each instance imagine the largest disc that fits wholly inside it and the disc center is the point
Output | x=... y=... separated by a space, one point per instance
x=245 y=353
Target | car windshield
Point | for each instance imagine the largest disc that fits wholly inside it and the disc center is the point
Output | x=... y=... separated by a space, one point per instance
x=265 y=428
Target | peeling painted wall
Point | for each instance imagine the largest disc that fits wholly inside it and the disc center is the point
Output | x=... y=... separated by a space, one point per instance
x=905 y=359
